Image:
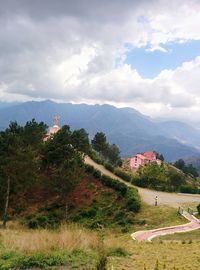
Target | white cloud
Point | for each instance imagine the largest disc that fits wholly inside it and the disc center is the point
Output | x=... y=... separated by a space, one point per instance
x=68 y=52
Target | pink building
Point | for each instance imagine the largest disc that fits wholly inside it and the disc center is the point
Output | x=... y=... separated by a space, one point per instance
x=141 y=159
x=151 y=156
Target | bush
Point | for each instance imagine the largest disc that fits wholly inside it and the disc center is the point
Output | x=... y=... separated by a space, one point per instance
x=141 y=222
x=125 y=176
x=89 y=213
x=102 y=262
x=41 y=260
x=132 y=200
x=109 y=167
x=42 y=221
x=97 y=174
x=198 y=209
x=115 y=184
x=117 y=252
x=129 y=194
x=89 y=169
x=125 y=230
x=189 y=189
x=96 y=157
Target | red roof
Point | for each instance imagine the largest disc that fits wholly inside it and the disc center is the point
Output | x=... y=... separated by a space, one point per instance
x=150 y=155
x=141 y=156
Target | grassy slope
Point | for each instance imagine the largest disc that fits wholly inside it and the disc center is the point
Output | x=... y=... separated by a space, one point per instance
x=45 y=249
x=19 y=246
x=90 y=204
x=181 y=256
x=77 y=248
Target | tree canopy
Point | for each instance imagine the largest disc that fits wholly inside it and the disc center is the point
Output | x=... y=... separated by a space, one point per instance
x=110 y=152
x=187 y=169
x=26 y=161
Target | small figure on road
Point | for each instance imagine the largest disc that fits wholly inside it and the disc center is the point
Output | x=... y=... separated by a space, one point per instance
x=156 y=200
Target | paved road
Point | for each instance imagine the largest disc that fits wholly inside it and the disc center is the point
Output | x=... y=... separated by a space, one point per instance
x=147 y=195
x=194 y=224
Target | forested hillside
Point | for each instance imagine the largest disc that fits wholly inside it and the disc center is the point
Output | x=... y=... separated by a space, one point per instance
x=51 y=184
x=132 y=131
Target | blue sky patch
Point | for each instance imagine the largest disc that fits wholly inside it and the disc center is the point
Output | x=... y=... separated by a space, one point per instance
x=149 y=64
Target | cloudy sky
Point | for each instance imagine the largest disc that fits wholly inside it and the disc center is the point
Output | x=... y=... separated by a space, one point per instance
x=143 y=54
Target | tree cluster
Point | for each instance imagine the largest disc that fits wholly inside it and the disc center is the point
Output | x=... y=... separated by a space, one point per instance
x=26 y=161
x=187 y=169
x=109 y=152
x=160 y=156
x=163 y=178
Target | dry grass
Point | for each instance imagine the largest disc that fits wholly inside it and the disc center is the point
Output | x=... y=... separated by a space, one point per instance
x=71 y=237
x=67 y=237
x=156 y=217
x=179 y=255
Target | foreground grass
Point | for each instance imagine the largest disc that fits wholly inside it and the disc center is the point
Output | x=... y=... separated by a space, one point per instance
x=159 y=255
x=70 y=246
x=69 y=237
x=188 y=237
x=169 y=256
x=74 y=247
x=76 y=259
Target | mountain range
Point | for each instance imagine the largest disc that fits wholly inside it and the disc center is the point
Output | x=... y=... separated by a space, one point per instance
x=132 y=131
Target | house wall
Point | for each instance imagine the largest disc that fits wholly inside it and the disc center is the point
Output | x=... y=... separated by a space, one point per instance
x=135 y=162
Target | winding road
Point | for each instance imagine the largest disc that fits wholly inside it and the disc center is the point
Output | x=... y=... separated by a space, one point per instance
x=148 y=196
x=194 y=224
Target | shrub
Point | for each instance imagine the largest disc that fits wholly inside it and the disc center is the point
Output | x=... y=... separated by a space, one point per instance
x=109 y=167
x=125 y=176
x=132 y=200
x=42 y=221
x=129 y=194
x=119 y=215
x=125 y=230
x=115 y=184
x=97 y=174
x=89 y=169
x=88 y=213
x=102 y=262
x=117 y=252
x=40 y=260
x=141 y=222
x=96 y=157
x=198 y=209
x=188 y=189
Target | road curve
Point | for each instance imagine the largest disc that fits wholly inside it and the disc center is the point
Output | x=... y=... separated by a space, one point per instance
x=147 y=195
x=194 y=224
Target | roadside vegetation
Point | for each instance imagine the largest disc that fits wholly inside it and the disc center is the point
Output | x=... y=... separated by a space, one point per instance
x=188 y=169
x=177 y=177
x=164 y=177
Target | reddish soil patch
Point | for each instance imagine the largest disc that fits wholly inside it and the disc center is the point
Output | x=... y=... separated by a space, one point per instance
x=85 y=192
x=88 y=189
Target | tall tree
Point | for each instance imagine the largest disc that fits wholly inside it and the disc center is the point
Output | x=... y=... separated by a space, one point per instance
x=18 y=165
x=113 y=154
x=110 y=152
x=80 y=140
x=62 y=162
x=99 y=142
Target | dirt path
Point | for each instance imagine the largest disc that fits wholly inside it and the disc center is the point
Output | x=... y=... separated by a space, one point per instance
x=147 y=195
x=194 y=224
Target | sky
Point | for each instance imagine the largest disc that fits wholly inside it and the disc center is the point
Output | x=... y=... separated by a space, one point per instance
x=142 y=54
